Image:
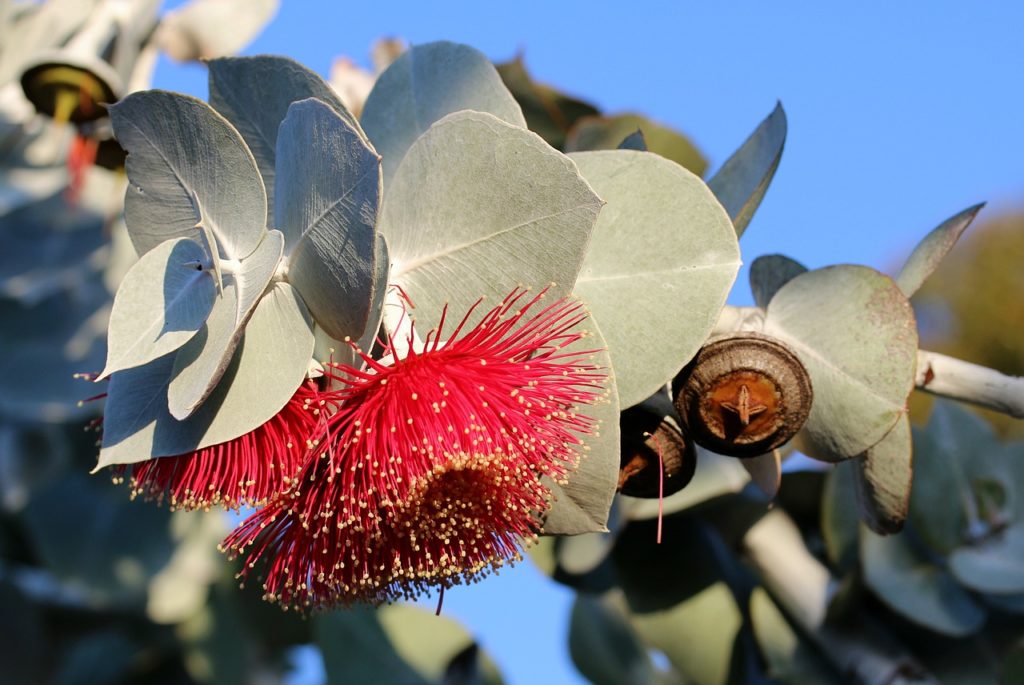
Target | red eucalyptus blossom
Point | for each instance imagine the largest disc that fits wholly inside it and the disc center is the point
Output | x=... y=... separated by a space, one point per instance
x=248 y=470
x=435 y=467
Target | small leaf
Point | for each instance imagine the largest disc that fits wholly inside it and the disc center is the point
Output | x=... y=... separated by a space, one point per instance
x=161 y=304
x=180 y=149
x=582 y=504
x=606 y=133
x=199 y=365
x=480 y=207
x=930 y=251
x=203 y=29
x=269 y=364
x=995 y=565
x=662 y=258
x=884 y=473
x=424 y=85
x=328 y=196
x=254 y=94
x=742 y=181
x=854 y=331
x=768 y=273
x=919 y=591
x=604 y=646
x=634 y=141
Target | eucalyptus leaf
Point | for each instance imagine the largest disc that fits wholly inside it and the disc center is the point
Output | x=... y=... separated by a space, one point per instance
x=199 y=365
x=790 y=659
x=662 y=258
x=582 y=505
x=741 y=183
x=357 y=650
x=254 y=94
x=949 y=453
x=883 y=479
x=607 y=133
x=765 y=472
x=428 y=643
x=995 y=565
x=930 y=251
x=916 y=589
x=840 y=525
x=854 y=331
x=480 y=207
x=161 y=304
x=181 y=151
x=634 y=141
x=424 y=85
x=269 y=364
x=604 y=646
x=328 y=195
x=768 y=273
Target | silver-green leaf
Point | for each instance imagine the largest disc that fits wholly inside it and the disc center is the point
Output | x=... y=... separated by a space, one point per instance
x=254 y=94
x=930 y=251
x=181 y=151
x=328 y=196
x=480 y=207
x=883 y=478
x=161 y=304
x=662 y=258
x=741 y=183
x=199 y=365
x=270 y=362
x=768 y=273
x=424 y=85
x=854 y=330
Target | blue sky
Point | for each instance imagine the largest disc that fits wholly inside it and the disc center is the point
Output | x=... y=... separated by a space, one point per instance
x=900 y=115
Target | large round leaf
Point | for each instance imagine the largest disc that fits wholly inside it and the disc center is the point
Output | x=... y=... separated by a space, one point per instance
x=180 y=153
x=270 y=362
x=913 y=587
x=480 y=207
x=662 y=258
x=199 y=365
x=582 y=504
x=854 y=331
x=328 y=195
x=254 y=94
x=161 y=304
x=424 y=85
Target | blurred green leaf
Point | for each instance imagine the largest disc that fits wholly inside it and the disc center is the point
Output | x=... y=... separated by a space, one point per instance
x=137 y=425
x=582 y=504
x=854 y=331
x=424 y=85
x=356 y=649
x=254 y=94
x=102 y=658
x=328 y=196
x=768 y=273
x=884 y=473
x=840 y=525
x=548 y=112
x=993 y=565
x=930 y=251
x=605 y=133
x=181 y=154
x=201 y=29
x=790 y=659
x=742 y=181
x=164 y=300
x=659 y=267
x=426 y=642
x=912 y=586
x=604 y=647
x=100 y=544
x=25 y=642
x=480 y=207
